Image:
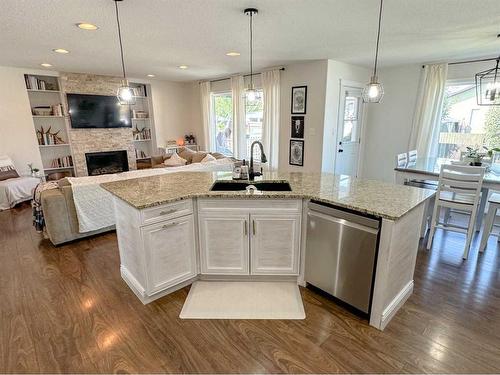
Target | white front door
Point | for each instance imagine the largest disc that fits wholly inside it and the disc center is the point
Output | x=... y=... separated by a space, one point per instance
x=349 y=131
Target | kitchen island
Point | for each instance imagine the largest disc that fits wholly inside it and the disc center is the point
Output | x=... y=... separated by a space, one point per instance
x=173 y=229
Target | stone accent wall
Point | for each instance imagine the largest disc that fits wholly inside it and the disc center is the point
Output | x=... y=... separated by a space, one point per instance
x=95 y=140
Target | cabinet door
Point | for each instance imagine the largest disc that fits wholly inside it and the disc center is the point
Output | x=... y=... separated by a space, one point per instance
x=224 y=243
x=170 y=252
x=275 y=244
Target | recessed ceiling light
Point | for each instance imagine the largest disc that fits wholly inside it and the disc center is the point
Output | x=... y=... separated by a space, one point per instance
x=233 y=54
x=151 y=75
x=86 y=26
x=46 y=65
x=183 y=66
x=60 y=50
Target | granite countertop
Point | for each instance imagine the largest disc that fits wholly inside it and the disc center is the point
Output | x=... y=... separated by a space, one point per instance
x=377 y=198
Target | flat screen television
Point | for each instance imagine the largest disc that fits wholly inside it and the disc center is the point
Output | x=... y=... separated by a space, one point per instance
x=97 y=111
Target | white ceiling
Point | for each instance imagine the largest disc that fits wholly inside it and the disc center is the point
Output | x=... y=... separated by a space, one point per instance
x=159 y=35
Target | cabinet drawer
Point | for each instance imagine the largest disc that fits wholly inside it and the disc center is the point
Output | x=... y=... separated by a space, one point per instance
x=166 y=212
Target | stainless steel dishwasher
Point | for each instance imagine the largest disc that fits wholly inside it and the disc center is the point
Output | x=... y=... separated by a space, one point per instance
x=340 y=254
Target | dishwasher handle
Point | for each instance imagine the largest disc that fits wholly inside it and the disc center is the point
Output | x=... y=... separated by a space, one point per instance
x=341 y=221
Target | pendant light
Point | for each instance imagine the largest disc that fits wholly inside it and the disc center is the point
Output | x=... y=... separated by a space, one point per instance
x=125 y=93
x=374 y=91
x=488 y=86
x=251 y=93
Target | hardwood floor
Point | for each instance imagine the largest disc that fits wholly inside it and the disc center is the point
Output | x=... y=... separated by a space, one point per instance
x=66 y=309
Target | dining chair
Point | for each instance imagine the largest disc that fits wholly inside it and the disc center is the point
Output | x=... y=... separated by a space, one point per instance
x=489 y=223
x=402 y=160
x=425 y=184
x=412 y=156
x=459 y=187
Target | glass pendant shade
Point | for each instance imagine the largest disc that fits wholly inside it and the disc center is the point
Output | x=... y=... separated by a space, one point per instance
x=488 y=86
x=125 y=94
x=251 y=94
x=373 y=92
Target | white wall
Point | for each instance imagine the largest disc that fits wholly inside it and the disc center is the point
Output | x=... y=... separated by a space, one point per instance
x=313 y=75
x=338 y=72
x=388 y=124
x=17 y=134
x=176 y=110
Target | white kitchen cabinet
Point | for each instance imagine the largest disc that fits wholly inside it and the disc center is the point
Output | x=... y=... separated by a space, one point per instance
x=170 y=252
x=224 y=243
x=252 y=237
x=275 y=244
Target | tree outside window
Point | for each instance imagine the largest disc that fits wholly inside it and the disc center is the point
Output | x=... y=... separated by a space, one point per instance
x=466 y=124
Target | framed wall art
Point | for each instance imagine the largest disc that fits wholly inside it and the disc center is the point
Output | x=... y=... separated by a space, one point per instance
x=296 y=153
x=299 y=100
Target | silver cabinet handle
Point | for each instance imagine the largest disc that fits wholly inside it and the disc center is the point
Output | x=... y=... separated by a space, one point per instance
x=166 y=226
x=245 y=231
x=253 y=226
x=168 y=212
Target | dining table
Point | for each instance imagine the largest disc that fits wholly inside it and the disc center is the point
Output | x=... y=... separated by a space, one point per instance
x=427 y=169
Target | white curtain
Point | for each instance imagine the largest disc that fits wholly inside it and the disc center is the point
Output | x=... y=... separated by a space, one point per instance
x=425 y=127
x=206 y=117
x=238 y=92
x=271 y=121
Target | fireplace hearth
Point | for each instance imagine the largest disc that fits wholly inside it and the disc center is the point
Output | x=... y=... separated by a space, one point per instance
x=106 y=162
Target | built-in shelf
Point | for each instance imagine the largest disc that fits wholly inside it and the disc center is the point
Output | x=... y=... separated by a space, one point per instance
x=56 y=169
x=57 y=145
x=34 y=90
x=142 y=140
x=48 y=116
x=138 y=118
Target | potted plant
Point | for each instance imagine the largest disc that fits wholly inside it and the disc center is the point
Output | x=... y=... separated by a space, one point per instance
x=34 y=171
x=473 y=157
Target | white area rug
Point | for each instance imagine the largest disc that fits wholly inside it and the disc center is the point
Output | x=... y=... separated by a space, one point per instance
x=243 y=300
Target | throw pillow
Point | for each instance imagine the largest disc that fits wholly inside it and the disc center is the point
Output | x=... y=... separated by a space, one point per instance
x=175 y=161
x=208 y=158
x=7 y=169
x=187 y=153
x=198 y=157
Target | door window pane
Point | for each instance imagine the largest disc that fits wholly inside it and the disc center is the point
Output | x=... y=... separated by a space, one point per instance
x=223 y=122
x=254 y=114
x=351 y=113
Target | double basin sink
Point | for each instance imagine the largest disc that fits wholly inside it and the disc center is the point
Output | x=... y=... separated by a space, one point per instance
x=250 y=185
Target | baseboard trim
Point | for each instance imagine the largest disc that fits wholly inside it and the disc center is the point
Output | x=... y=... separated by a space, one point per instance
x=140 y=292
x=396 y=304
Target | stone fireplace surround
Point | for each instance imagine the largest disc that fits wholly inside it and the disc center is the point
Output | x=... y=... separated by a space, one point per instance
x=95 y=140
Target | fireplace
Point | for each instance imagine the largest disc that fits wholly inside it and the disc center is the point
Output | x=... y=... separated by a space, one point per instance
x=106 y=162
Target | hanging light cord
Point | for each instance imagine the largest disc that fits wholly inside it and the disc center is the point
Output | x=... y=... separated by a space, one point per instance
x=120 y=38
x=251 y=50
x=378 y=38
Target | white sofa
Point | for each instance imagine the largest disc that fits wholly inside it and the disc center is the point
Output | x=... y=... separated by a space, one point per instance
x=16 y=189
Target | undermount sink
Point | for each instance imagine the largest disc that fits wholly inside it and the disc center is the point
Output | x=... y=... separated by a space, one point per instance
x=240 y=186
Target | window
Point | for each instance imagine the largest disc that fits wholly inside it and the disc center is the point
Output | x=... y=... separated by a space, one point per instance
x=254 y=114
x=351 y=118
x=222 y=111
x=466 y=124
x=222 y=117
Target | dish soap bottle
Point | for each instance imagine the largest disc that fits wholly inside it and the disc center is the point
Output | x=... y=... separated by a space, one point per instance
x=244 y=170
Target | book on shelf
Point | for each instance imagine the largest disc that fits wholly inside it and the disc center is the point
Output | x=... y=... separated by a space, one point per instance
x=139 y=114
x=139 y=154
x=34 y=83
x=139 y=90
x=144 y=134
x=62 y=162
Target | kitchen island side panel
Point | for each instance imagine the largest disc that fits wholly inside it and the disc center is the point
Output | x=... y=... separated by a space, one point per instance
x=396 y=260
